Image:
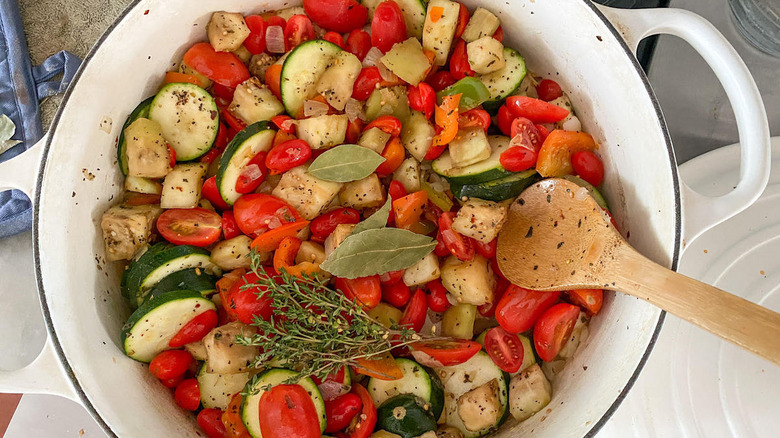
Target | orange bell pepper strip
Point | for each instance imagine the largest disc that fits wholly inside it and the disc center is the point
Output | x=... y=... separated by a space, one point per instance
x=273 y=78
x=436 y=13
x=282 y=137
x=408 y=209
x=382 y=367
x=174 y=76
x=284 y=257
x=590 y=300
x=231 y=419
x=557 y=149
x=446 y=116
x=394 y=154
x=271 y=239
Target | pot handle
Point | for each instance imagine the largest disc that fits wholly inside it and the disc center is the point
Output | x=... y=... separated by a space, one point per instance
x=45 y=374
x=700 y=212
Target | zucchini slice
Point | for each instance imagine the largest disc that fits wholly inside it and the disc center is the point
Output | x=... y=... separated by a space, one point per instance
x=255 y=389
x=188 y=117
x=188 y=279
x=150 y=328
x=504 y=82
x=497 y=190
x=405 y=415
x=486 y=170
x=255 y=138
x=594 y=192
x=141 y=111
x=302 y=70
x=418 y=380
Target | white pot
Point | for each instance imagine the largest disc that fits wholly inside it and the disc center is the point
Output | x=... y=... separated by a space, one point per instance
x=72 y=177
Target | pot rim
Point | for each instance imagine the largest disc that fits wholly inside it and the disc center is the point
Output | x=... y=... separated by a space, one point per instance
x=86 y=402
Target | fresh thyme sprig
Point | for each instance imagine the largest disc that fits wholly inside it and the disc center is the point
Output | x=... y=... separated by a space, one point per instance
x=315 y=329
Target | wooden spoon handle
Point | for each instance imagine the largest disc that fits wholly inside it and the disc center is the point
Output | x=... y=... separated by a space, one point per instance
x=728 y=316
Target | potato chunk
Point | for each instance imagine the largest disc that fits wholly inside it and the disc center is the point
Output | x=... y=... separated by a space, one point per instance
x=305 y=192
x=364 y=193
x=470 y=282
x=480 y=220
x=126 y=229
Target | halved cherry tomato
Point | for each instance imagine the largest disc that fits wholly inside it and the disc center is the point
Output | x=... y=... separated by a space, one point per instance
x=388 y=26
x=287 y=411
x=338 y=15
x=233 y=121
x=367 y=81
x=459 y=62
x=253 y=174
x=388 y=124
x=437 y=296
x=229 y=226
x=391 y=277
x=588 y=166
x=524 y=133
x=553 y=329
x=449 y=352
x=415 y=312
x=474 y=117
x=195 y=330
x=190 y=226
x=297 y=30
x=273 y=79
x=269 y=240
x=211 y=193
x=231 y=418
x=441 y=80
x=543 y=132
x=505 y=118
x=463 y=20
x=245 y=303
x=256 y=213
x=435 y=151
x=548 y=90
x=519 y=308
x=210 y=420
x=447 y=119
x=187 y=395
x=397 y=294
x=358 y=43
x=287 y=155
x=281 y=122
x=422 y=98
x=499 y=34
x=255 y=42
x=590 y=300
x=176 y=77
x=518 y=159
x=408 y=209
x=223 y=92
x=363 y=424
x=535 y=110
x=334 y=38
x=394 y=154
x=505 y=349
x=170 y=364
x=486 y=250
x=458 y=245
x=354 y=129
x=367 y=291
x=441 y=249
x=324 y=224
x=223 y=68
x=340 y=411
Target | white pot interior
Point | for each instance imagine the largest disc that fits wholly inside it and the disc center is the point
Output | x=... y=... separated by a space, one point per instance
x=564 y=39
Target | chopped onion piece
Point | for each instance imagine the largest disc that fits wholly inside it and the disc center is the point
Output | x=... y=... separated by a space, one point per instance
x=386 y=74
x=313 y=108
x=252 y=172
x=426 y=359
x=571 y=123
x=287 y=124
x=331 y=389
x=274 y=39
x=354 y=110
x=372 y=57
x=581 y=194
x=274 y=222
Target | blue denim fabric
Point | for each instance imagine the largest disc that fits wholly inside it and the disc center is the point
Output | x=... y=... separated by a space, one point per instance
x=21 y=87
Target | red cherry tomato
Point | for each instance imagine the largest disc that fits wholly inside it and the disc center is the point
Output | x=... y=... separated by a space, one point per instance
x=253 y=174
x=338 y=15
x=280 y=121
x=548 y=90
x=354 y=129
x=415 y=312
x=588 y=166
x=223 y=68
x=211 y=193
x=367 y=291
x=441 y=249
x=366 y=82
x=459 y=62
x=324 y=224
x=245 y=303
x=285 y=156
x=223 y=92
x=334 y=38
x=255 y=42
x=233 y=121
x=256 y=213
x=229 y=226
x=340 y=411
x=396 y=190
x=210 y=420
x=518 y=159
x=519 y=308
x=535 y=110
x=488 y=310
x=287 y=411
x=173 y=382
x=422 y=98
x=458 y=245
x=463 y=20
x=195 y=330
x=391 y=277
x=505 y=118
x=388 y=124
x=553 y=329
x=524 y=131
x=474 y=117
x=486 y=250
x=358 y=43
x=363 y=424
x=388 y=26
x=171 y=364
x=437 y=296
x=499 y=34
x=505 y=349
x=590 y=300
x=543 y=132
x=187 y=395
x=441 y=80
x=449 y=352
x=171 y=155
x=397 y=295
x=297 y=30
x=190 y=226
x=276 y=20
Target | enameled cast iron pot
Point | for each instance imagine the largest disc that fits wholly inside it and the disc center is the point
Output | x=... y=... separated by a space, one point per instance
x=72 y=177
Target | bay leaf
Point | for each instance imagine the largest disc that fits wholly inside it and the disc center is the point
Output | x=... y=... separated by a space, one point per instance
x=376 y=220
x=345 y=163
x=377 y=251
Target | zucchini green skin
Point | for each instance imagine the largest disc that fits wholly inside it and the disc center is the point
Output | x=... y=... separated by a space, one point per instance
x=497 y=190
x=504 y=82
x=141 y=111
x=473 y=92
x=228 y=170
x=187 y=279
x=418 y=380
x=594 y=192
x=486 y=170
x=406 y=415
x=301 y=70
x=190 y=145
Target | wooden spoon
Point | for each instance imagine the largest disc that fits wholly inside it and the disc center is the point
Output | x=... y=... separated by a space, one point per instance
x=558 y=238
